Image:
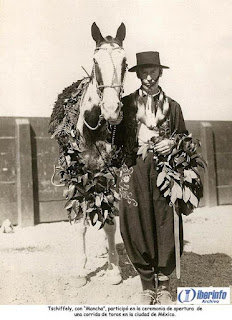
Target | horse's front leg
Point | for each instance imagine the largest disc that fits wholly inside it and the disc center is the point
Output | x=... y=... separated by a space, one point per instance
x=81 y=229
x=113 y=272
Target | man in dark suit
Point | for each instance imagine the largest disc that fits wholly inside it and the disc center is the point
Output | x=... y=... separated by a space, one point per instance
x=146 y=219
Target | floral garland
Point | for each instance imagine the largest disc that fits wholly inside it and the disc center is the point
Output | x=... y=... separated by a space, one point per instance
x=178 y=173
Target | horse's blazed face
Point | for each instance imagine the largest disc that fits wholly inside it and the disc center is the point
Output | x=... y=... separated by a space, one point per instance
x=109 y=70
x=110 y=67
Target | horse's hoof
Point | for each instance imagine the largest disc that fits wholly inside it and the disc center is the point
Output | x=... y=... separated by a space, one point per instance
x=79 y=282
x=113 y=276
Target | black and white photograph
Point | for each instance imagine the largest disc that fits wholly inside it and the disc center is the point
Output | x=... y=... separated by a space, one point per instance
x=115 y=158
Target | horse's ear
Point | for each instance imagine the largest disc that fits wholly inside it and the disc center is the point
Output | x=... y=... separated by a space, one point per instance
x=96 y=33
x=121 y=33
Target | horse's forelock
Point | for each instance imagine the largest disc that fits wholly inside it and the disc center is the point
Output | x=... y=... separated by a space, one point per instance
x=109 y=39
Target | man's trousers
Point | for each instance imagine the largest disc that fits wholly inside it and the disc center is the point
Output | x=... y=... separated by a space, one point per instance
x=147 y=228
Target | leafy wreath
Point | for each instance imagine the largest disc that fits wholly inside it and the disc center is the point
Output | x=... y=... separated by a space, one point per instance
x=90 y=193
x=178 y=173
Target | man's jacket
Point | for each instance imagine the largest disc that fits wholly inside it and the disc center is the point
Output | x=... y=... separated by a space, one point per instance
x=126 y=133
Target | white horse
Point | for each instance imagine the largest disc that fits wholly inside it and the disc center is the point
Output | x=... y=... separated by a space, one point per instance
x=84 y=121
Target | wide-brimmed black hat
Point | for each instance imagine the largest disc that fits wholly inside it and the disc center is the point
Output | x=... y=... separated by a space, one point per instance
x=146 y=59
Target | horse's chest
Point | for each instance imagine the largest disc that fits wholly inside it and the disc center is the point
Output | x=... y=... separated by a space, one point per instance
x=96 y=156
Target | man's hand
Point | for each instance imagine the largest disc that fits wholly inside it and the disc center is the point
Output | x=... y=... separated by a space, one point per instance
x=164 y=147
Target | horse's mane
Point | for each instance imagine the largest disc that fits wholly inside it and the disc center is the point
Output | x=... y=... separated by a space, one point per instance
x=58 y=111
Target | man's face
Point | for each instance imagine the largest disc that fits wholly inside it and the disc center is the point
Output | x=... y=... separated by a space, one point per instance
x=149 y=75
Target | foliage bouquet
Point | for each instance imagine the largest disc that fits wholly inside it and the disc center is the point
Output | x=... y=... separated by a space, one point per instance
x=178 y=173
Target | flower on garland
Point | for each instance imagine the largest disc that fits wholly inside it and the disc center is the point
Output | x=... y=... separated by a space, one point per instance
x=178 y=173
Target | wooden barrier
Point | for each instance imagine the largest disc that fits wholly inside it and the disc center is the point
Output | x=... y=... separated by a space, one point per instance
x=207 y=143
x=27 y=157
x=25 y=199
x=8 y=191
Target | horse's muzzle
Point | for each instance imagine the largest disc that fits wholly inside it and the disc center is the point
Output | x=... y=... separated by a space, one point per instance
x=111 y=113
x=117 y=121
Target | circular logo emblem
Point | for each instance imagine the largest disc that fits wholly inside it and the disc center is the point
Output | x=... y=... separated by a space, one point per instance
x=187 y=295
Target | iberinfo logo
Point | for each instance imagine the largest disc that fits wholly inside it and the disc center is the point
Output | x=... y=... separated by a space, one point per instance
x=209 y=295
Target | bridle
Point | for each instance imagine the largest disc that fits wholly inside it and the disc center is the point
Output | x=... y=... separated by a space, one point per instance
x=102 y=86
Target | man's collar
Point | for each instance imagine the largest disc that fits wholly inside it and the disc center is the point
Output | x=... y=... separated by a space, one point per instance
x=144 y=93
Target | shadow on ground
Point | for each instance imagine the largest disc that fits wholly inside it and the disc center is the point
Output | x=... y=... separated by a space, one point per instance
x=203 y=271
x=196 y=270
x=126 y=267
x=98 y=270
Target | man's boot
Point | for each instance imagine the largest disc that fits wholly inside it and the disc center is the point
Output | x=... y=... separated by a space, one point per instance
x=163 y=293
x=147 y=297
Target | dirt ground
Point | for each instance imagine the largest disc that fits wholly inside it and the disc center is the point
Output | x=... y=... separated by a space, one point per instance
x=38 y=264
